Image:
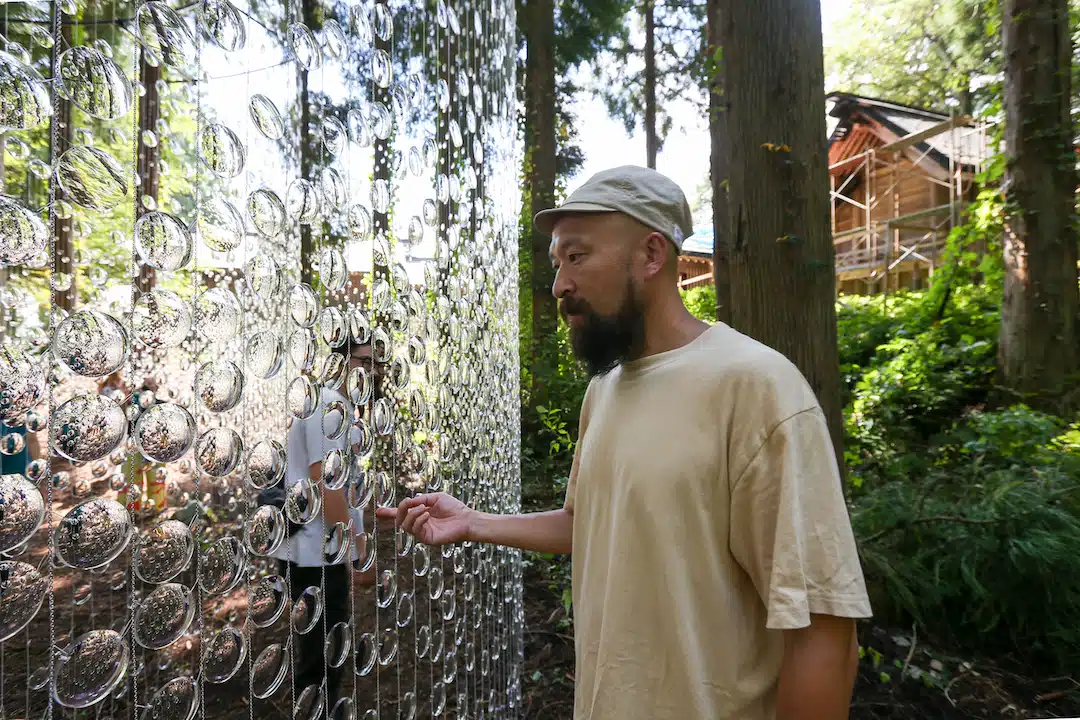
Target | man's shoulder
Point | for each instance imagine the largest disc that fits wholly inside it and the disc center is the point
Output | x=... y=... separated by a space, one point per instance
x=734 y=354
x=748 y=373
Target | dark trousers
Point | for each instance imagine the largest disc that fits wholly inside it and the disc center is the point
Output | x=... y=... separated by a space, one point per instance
x=310 y=666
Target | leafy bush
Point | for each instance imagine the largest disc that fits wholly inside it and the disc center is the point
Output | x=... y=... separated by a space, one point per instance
x=914 y=385
x=967 y=515
x=980 y=543
x=549 y=422
x=701 y=301
x=865 y=323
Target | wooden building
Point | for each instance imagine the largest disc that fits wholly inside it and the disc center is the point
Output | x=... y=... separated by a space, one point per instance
x=900 y=178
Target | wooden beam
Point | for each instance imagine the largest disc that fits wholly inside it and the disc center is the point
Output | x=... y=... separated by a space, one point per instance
x=915 y=138
x=696 y=278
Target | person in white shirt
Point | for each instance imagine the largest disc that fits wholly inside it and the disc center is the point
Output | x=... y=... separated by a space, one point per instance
x=302 y=553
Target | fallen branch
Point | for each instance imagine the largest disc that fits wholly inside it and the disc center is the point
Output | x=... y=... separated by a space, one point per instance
x=548 y=632
x=910 y=652
x=1058 y=693
x=952 y=682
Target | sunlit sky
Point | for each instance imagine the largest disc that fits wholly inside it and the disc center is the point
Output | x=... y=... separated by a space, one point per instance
x=603 y=139
x=684 y=156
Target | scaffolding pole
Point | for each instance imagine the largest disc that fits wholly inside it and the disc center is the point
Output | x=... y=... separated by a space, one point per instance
x=878 y=241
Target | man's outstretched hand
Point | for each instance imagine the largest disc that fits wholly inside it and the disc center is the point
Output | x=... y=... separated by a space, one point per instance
x=432 y=518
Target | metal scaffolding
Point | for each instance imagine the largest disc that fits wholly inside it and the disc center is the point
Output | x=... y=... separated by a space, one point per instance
x=887 y=241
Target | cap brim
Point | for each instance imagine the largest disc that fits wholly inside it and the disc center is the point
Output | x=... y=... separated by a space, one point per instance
x=545 y=220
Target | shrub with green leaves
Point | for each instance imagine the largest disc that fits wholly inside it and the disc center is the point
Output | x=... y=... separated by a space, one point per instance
x=701 y=301
x=911 y=375
x=980 y=543
x=967 y=515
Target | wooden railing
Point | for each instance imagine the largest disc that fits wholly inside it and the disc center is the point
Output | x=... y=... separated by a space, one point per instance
x=871 y=249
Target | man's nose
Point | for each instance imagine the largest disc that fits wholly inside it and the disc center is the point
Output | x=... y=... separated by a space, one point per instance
x=561 y=285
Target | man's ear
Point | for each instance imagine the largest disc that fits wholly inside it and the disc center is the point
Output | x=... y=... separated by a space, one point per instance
x=657 y=257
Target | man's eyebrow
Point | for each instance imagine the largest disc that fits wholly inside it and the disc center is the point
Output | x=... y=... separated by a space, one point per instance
x=565 y=244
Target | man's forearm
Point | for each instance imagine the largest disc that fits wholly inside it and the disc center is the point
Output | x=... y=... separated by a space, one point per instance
x=547 y=532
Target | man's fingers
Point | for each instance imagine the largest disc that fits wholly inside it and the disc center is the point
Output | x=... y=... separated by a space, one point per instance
x=401 y=512
x=421 y=521
x=405 y=505
x=410 y=518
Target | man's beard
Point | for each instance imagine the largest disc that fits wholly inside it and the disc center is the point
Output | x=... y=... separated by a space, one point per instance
x=604 y=341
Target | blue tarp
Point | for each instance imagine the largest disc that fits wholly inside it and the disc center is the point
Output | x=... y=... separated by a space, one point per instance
x=700 y=243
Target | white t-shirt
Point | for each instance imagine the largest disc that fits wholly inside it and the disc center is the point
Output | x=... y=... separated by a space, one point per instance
x=306 y=445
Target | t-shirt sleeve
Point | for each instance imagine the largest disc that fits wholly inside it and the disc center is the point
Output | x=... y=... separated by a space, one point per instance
x=318 y=446
x=790 y=528
x=571 y=484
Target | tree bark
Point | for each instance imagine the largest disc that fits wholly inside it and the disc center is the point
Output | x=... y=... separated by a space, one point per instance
x=783 y=287
x=1038 y=344
x=538 y=23
x=308 y=151
x=718 y=161
x=540 y=106
x=147 y=160
x=64 y=240
x=651 y=141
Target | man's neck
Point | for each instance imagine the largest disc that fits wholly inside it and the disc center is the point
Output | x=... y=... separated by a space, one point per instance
x=670 y=327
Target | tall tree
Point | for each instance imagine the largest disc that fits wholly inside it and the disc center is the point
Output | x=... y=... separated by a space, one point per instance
x=651 y=140
x=555 y=36
x=714 y=55
x=1038 y=351
x=540 y=76
x=642 y=75
x=558 y=37
x=783 y=287
x=64 y=240
x=148 y=158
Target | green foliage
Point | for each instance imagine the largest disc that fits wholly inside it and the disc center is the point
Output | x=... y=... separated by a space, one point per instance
x=919 y=52
x=911 y=387
x=679 y=60
x=913 y=362
x=979 y=542
x=550 y=424
x=701 y=301
x=968 y=518
x=101 y=241
x=584 y=30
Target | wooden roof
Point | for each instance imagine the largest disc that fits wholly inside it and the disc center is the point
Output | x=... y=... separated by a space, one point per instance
x=849 y=145
x=857 y=124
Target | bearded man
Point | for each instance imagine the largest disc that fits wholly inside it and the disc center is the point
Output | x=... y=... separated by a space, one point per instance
x=715 y=574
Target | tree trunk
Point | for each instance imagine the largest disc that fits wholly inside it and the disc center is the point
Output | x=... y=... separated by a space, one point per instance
x=1038 y=345
x=147 y=160
x=783 y=287
x=718 y=161
x=64 y=240
x=308 y=152
x=651 y=143
x=540 y=105
x=541 y=171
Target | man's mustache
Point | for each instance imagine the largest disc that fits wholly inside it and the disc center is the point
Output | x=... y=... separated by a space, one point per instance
x=573 y=306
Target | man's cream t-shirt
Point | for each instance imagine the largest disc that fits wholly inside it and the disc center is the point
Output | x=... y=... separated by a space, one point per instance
x=708 y=517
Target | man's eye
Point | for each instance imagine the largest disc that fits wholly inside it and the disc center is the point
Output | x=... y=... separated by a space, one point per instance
x=574 y=257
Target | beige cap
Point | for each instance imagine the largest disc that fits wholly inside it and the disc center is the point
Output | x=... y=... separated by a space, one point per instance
x=649 y=197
